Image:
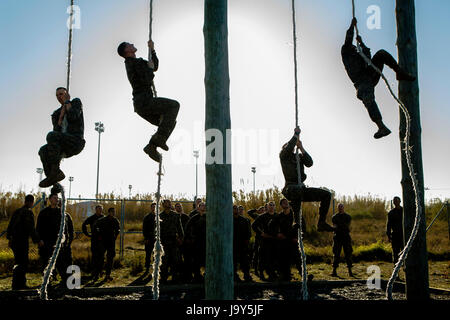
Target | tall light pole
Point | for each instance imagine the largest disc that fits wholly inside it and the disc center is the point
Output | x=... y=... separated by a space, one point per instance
x=70 y=185
x=40 y=171
x=254 y=171
x=196 y=173
x=130 y=187
x=99 y=128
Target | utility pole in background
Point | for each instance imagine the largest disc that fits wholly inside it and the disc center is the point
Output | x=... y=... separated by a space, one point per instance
x=70 y=185
x=99 y=127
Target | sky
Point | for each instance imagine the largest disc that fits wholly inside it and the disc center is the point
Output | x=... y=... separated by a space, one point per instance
x=336 y=129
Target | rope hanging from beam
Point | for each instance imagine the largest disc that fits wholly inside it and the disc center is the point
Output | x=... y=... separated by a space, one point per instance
x=408 y=150
x=61 y=239
x=150 y=51
x=69 y=50
x=158 y=250
x=297 y=157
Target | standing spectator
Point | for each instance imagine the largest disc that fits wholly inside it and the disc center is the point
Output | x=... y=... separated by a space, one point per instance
x=20 y=229
x=106 y=230
x=47 y=228
x=262 y=227
x=148 y=230
x=255 y=213
x=171 y=238
x=241 y=238
x=342 y=239
x=287 y=241
x=195 y=236
x=95 y=247
x=186 y=271
x=195 y=211
x=394 y=229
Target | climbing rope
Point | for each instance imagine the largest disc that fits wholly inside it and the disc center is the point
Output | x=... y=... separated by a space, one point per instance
x=297 y=157
x=61 y=239
x=412 y=174
x=69 y=50
x=149 y=50
x=158 y=250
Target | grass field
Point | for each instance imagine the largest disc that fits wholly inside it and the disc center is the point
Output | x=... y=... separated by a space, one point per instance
x=367 y=231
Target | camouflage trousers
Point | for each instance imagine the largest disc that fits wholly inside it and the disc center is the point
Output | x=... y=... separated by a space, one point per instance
x=397 y=247
x=63 y=261
x=297 y=195
x=110 y=251
x=365 y=86
x=20 y=265
x=288 y=254
x=161 y=112
x=171 y=260
x=59 y=145
x=241 y=258
x=339 y=243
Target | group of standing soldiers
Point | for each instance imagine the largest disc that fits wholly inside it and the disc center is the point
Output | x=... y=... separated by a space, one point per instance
x=21 y=227
x=183 y=237
x=104 y=232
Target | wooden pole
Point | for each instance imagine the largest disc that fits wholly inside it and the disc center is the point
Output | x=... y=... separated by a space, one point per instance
x=219 y=221
x=416 y=265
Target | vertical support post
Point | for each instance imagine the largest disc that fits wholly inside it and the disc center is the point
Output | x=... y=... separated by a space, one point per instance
x=219 y=222
x=416 y=265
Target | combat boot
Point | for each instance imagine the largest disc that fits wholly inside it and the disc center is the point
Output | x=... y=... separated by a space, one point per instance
x=150 y=149
x=248 y=277
x=108 y=277
x=382 y=132
x=350 y=273
x=55 y=176
x=323 y=226
x=159 y=141
x=334 y=274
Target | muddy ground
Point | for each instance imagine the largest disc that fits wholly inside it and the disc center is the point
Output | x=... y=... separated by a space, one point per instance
x=318 y=290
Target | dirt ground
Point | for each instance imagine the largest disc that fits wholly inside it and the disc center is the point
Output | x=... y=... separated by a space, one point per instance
x=124 y=286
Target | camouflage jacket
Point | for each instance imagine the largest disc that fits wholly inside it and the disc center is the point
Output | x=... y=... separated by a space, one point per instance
x=90 y=222
x=48 y=223
x=140 y=74
x=74 y=118
x=21 y=226
x=170 y=226
x=289 y=163
x=241 y=232
x=263 y=224
x=196 y=229
x=342 y=223
x=106 y=230
x=354 y=64
x=394 y=226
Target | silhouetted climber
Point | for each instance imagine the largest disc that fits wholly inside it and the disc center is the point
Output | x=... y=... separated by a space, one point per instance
x=296 y=193
x=365 y=77
x=161 y=112
x=66 y=139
